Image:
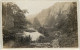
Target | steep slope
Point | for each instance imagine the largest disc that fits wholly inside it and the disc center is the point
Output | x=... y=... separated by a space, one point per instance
x=48 y=17
x=60 y=22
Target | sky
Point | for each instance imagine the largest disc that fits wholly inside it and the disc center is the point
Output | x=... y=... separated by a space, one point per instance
x=34 y=7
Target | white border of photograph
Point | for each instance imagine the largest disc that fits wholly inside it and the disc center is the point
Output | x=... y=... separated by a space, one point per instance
x=1 y=38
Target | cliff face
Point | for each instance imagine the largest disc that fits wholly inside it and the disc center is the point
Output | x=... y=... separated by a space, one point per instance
x=50 y=16
x=57 y=23
x=60 y=19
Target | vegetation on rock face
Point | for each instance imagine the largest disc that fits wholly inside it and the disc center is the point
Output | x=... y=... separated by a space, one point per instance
x=58 y=24
x=60 y=19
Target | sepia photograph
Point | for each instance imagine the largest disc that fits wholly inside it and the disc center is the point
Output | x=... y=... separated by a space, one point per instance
x=39 y=24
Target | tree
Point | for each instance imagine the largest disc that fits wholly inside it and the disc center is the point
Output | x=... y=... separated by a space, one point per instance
x=13 y=18
x=14 y=15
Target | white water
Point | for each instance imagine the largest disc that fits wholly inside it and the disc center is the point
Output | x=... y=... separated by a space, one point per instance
x=34 y=35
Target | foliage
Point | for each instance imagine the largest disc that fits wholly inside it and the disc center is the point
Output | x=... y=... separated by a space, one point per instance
x=13 y=20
